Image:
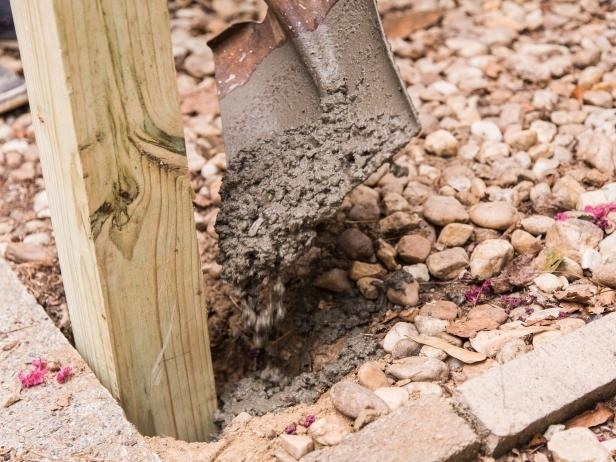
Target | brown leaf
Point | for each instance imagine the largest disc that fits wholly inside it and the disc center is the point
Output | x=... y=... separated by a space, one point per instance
x=466 y=356
x=537 y=440
x=599 y=415
x=469 y=327
x=401 y=24
x=518 y=273
x=201 y=100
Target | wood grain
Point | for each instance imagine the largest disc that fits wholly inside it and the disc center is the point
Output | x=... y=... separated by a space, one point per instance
x=104 y=102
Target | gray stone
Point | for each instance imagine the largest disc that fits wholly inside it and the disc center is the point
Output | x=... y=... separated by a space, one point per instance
x=577 y=445
x=426 y=430
x=405 y=348
x=447 y=264
x=490 y=257
x=419 y=368
x=514 y=401
x=351 y=399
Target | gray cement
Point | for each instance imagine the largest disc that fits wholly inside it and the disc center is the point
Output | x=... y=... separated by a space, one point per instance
x=294 y=153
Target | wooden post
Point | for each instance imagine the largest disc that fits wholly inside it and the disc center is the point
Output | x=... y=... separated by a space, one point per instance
x=104 y=104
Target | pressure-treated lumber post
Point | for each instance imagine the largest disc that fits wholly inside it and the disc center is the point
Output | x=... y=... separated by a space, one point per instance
x=104 y=103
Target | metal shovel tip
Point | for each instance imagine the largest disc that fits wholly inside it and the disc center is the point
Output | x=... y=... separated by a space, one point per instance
x=300 y=132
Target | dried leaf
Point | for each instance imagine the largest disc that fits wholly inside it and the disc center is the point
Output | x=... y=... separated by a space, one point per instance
x=401 y=24
x=537 y=440
x=466 y=356
x=552 y=259
x=599 y=415
x=467 y=328
x=11 y=399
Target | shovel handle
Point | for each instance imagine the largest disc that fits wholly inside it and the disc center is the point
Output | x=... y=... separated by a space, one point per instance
x=303 y=22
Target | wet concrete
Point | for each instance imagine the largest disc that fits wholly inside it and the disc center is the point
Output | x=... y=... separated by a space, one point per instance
x=295 y=153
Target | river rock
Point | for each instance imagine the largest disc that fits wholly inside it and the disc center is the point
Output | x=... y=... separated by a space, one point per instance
x=419 y=390
x=447 y=264
x=577 y=444
x=419 y=272
x=371 y=376
x=455 y=234
x=356 y=245
x=596 y=149
x=442 y=210
x=386 y=254
x=524 y=242
x=408 y=295
x=549 y=283
x=329 y=430
x=572 y=236
x=441 y=309
x=334 y=280
x=537 y=224
x=414 y=248
x=297 y=445
x=441 y=143
x=419 y=368
x=368 y=287
x=494 y=215
x=490 y=257
x=606 y=273
x=364 y=204
x=511 y=349
x=398 y=223
x=427 y=325
x=400 y=330
x=405 y=348
x=361 y=269
x=351 y=399
x=394 y=397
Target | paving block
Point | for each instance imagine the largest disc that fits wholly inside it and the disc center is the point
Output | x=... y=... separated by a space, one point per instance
x=428 y=430
x=546 y=386
x=52 y=421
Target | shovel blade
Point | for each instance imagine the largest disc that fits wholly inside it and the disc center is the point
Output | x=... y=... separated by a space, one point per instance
x=292 y=153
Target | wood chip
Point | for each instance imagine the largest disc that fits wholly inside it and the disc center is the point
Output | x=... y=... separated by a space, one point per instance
x=597 y=416
x=466 y=356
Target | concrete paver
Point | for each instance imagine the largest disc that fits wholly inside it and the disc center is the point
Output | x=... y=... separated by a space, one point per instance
x=548 y=385
x=428 y=430
x=76 y=420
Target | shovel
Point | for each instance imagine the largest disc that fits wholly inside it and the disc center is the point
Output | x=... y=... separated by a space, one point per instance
x=311 y=105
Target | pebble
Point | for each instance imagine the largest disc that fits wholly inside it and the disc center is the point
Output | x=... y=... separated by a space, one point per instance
x=441 y=143
x=364 y=204
x=419 y=368
x=356 y=245
x=596 y=149
x=606 y=273
x=399 y=331
x=455 y=234
x=511 y=349
x=394 y=202
x=489 y=257
x=431 y=352
x=405 y=348
x=427 y=325
x=394 y=397
x=413 y=248
x=397 y=223
x=351 y=399
x=329 y=430
x=419 y=390
x=334 y=280
x=408 y=295
x=491 y=151
x=296 y=445
x=486 y=129
x=369 y=287
x=447 y=264
x=419 y=272
x=525 y=243
x=577 y=444
x=494 y=215
x=440 y=309
x=442 y=210
x=546 y=131
x=386 y=254
x=572 y=236
x=549 y=283
x=371 y=376
x=360 y=269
